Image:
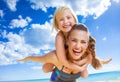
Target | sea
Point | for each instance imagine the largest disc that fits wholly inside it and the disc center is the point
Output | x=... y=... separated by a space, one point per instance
x=98 y=77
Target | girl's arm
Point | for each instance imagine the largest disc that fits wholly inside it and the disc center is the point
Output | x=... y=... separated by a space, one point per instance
x=84 y=74
x=60 y=49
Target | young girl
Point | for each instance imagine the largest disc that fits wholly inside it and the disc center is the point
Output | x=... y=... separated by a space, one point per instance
x=64 y=19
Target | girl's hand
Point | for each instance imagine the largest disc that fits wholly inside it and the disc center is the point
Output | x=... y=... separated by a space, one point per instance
x=86 y=60
x=81 y=65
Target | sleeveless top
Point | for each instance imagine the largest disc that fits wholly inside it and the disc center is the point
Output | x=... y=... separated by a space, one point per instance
x=60 y=76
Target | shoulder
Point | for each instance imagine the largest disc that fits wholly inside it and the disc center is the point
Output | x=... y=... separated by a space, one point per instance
x=51 y=58
x=60 y=35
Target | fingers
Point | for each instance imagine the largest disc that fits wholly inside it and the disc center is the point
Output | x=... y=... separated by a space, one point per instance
x=83 y=67
x=81 y=62
x=79 y=68
x=22 y=60
x=106 y=61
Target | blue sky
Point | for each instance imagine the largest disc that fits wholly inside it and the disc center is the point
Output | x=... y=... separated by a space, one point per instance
x=25 y=30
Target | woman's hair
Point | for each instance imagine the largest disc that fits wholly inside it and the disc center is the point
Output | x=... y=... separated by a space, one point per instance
x=81 y=27
x=58 y=12
x=96 y=62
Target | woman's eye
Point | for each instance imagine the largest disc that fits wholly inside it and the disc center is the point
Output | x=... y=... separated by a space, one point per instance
x=84 y=42
x=74 y=40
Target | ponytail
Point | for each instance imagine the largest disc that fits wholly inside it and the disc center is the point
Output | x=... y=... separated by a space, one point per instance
x=96 y=63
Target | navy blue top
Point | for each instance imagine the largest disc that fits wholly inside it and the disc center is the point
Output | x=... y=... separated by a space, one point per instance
x=60 y=76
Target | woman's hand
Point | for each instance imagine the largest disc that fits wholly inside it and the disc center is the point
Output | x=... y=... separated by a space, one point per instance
x=23 y=60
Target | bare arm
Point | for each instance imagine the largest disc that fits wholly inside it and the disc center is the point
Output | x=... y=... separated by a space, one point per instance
x=84 y=73
x=60 y=50
x=106 y=61
x=33 y=58
x=48 y=67
x=43 y=59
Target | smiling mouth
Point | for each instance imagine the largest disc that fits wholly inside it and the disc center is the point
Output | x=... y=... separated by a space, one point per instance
x=67 y=26
x=76 y=52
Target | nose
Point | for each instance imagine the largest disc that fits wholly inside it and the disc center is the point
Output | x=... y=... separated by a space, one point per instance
x=65 y=20
x=78 y=46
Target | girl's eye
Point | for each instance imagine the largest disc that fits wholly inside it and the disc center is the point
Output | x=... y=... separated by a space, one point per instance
x=68 y=17
x=61 y=19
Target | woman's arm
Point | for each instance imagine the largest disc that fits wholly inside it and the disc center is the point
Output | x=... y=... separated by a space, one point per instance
x=43 y=59
x=47 y=67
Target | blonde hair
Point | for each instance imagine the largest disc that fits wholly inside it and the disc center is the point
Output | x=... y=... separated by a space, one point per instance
x=59 y=11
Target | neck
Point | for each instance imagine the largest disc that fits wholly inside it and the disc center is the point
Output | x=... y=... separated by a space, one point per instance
x=65 y=34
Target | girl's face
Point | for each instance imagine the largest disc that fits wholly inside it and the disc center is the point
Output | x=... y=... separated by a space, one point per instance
x=77 y=44
x=65 y=20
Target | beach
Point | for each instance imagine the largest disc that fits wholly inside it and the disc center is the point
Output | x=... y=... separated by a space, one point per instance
x=109 y=81
x=98 y=77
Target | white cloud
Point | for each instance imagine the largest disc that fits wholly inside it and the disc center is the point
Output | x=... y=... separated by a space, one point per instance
x=81 y=7
x=41 y=35
x=97 y=27
x=36 y=67
x=105 y=68
x=29 y=42
x=15 y=49
x=117 y=1
x=4 y=34
x=20 y=23
x=12 y=4
x=1 y=13
x=37 y=4
x=104 y=38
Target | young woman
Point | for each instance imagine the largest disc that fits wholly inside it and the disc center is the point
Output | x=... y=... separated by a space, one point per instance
x=77 y=42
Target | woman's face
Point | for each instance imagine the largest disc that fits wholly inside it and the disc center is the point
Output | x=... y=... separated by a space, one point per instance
x=65 y=20
x=77 y=44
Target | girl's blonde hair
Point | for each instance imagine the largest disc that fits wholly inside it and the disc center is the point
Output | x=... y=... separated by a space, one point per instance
x=58 y=12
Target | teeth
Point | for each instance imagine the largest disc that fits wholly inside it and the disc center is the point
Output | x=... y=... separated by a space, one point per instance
x=67 y=26
x=77 y=51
